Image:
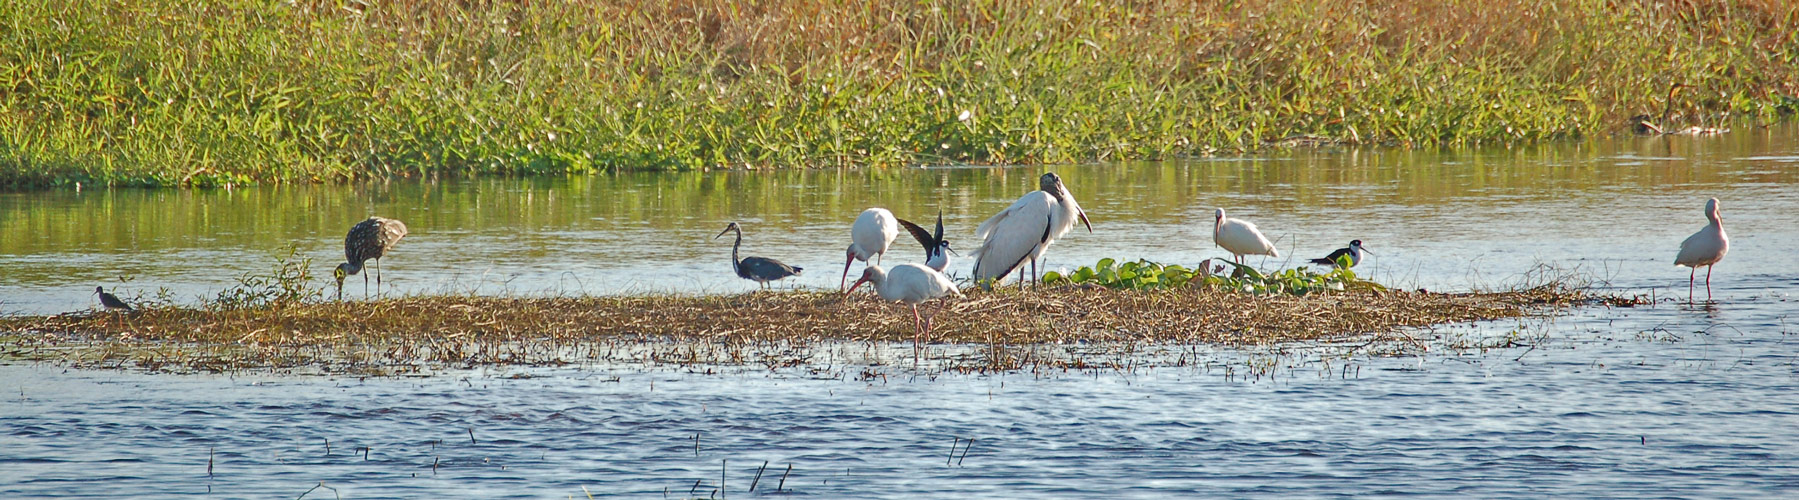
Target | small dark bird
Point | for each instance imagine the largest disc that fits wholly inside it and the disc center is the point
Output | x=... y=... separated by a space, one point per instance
x=758 y=269
x=1354 y=251
x=111 y=301
x=936 y=249
x=368 y=240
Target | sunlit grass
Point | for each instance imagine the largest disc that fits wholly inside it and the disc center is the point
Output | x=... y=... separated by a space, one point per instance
x=212 y=93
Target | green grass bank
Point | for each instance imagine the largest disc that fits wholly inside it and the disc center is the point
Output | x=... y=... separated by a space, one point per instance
x=166 y=93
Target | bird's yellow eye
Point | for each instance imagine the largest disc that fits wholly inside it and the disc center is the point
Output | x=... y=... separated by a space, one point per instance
x=339 y=274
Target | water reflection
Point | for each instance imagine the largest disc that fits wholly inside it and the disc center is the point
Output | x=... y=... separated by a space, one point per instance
x=1453 y=219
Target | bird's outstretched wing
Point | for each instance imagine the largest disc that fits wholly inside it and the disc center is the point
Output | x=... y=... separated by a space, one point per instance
x=918 y=233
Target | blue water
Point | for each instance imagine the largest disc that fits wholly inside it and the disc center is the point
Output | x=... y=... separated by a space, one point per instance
x=1671 y=399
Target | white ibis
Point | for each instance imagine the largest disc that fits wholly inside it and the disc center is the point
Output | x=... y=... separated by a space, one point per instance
x=1354 y=251
x=911 y=284
x=1704 y=248
x=368 y=240
x=110 y=301
x=936 y=249
x=1025 y=230
x=1240 y=237
x=870 y=237
x=758 y=269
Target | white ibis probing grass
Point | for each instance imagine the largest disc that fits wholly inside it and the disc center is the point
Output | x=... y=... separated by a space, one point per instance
x=1023 y=231
x=758 y=269
x=1240 y=237
x=911 y=284
x=936 y=249
x=1704 y=248
x=1353 y=251
x=368 y=240
x=870 y=237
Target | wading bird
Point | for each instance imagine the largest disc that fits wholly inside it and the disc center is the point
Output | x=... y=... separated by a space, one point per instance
x=1704 y=248
x=1240 y=237
x=110 y=301
x=870 y=237
x=936 y=249
x=1354 y=251
x=1023 y=231
x=758 y=269
x=911 y=284
x=368 y=240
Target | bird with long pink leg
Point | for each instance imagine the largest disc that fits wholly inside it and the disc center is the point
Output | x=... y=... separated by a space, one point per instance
x=911 y=284
x=1704 y=248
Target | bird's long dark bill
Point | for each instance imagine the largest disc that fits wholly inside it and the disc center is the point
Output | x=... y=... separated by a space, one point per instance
x=1365 y=249
x=1083 y=215
x=721 y=234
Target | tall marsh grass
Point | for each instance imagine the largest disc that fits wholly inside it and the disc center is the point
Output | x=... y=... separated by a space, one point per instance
x=237 y=91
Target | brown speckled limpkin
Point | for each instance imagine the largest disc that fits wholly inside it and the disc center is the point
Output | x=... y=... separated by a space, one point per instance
x=368 y=240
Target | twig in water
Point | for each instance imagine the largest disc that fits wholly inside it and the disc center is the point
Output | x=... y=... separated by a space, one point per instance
x=721 y=478
x=209 y=454
x=365 y=453
x=783 y=482
x=471 y=435
x=965 y=448
x=433 y=466
x=952 y=450
x=696 y=444
x=340 y=496
x=590 y=494
x=327 y=447
x=696 y=487
x=758 y=478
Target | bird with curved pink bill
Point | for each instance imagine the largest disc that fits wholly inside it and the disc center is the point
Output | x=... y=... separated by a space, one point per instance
x=911 y=284
x=870 y=237
x=1704 y=248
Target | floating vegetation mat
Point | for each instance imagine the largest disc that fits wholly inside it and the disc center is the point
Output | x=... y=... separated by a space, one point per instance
x=996 y=330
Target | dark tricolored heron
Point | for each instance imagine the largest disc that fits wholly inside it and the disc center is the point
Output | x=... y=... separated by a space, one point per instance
x=936 y=249
x=870 y=236
x=368 y=240
x=1704 y=248
x=1353 y=251
x=758 y=269
x=1020 y=232
x=911 y=284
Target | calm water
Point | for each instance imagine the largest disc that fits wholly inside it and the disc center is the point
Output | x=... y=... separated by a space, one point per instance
x=1664 y=401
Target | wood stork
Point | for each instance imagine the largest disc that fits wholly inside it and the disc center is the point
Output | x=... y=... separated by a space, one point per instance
x=936 y=249
x=1354 y=251
x=911 y=284
x=1704 y=248
x=870 y=236
x=1240 y=237
x=1023 y=231
x=758 y=269
x=368 y=240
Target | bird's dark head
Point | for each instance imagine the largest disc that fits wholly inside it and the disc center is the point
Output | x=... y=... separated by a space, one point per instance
x=944 y=245
x=728 y=228
x=1049 y=182
x=99 y=290
x=1355 y=243
x=343 y=270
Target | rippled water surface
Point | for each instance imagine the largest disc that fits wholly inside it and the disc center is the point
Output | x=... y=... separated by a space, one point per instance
x=1668 y=400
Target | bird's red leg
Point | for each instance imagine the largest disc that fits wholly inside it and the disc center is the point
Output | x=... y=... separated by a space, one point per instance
x=1708 y=282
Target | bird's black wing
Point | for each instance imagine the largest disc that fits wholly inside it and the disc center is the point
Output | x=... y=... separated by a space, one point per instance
x=765 y=268
x=1331 y=260
x=918 y=233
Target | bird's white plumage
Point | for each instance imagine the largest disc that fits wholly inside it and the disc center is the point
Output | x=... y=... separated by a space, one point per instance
x=873 y=233
x=1240 y=237
x=870 y=236
x=1707 y=246
x=1015 y=235
x=909 y=283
